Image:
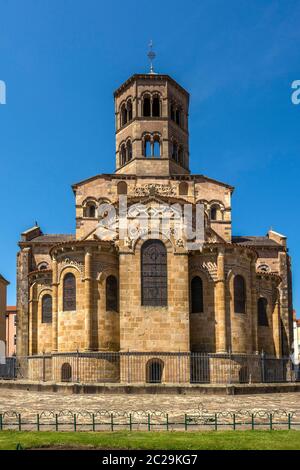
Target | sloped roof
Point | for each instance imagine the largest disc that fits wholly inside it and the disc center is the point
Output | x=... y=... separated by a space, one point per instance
x=3 y=279
x=11 y=309
x=53 y=238
x=254 y=241
x=190 y=177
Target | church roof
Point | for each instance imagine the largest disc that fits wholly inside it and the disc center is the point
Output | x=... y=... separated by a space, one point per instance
x=254 y=241
x=190 y=177
x=147 y=76
x=3 y=279
x=53 y=238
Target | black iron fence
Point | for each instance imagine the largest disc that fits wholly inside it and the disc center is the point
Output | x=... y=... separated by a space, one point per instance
x=102 y=420
x=151 y=368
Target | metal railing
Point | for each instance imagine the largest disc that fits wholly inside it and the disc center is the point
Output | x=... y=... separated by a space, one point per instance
x=151 y=368
x=105 y=420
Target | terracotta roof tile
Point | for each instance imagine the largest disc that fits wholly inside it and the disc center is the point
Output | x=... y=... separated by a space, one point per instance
x=254 y=241
x=53 y=238
x=3 y=279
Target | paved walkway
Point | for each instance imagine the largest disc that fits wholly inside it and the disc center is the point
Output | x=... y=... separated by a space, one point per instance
x=33 y=402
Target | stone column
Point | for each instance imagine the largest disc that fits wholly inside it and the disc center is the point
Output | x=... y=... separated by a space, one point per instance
x=30 y=328
x=33 y=324
x=277 y=329
x=23 y=263
x=220 y=304
x=254 y=319
x=88 y=298
x=54 y=306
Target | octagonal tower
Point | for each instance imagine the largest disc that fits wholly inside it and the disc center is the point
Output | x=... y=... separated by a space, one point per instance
x=152 y=126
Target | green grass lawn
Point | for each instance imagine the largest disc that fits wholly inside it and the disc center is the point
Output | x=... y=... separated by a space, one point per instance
x=220 y=440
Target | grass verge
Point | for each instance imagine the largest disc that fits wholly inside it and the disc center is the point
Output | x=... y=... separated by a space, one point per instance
x=221 y=440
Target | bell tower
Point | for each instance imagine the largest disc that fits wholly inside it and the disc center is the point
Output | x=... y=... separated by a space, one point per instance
x=152 y=126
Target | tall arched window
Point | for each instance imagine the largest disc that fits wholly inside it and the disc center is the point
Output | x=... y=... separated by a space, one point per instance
x=69 y=292
x=197 y=295
x=172 y=112
x=154 y=274
x=123 y=154
x=129 y=150
x=147 y=147
x=123 y=115
x=175 y=151
x=122 y=187
x=262 y=313
x=239 y=294
x=156 y=106
x=178 y=117
x=180 y=156
x=129 y=110
x=213 y=213
x=112 y=300
x=156 y=147
x=147 y=106
x=47 y=309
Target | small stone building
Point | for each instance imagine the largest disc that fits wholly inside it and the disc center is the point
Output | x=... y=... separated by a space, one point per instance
x=154 y=301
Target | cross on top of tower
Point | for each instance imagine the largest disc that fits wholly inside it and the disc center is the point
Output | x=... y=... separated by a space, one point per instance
x=151 y=56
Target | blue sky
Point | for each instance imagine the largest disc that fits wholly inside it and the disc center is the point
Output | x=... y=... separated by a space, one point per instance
x=61 y=61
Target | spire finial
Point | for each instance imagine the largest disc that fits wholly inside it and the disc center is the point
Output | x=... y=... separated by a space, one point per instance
x=151 y=56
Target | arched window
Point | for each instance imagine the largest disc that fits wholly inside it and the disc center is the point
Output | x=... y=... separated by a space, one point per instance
x=123 y=115
x=69 y=292
x=112 y=294
x=129 y=150
x=262 y=313
x=129 y=110
x=239 y=294
x=213 y=213
x=123 y=155
x=47 y=309
x=180 y=156
x=66 y=372
x=264 y=267
x=178 y=117
x=90 y=210
x=154 y=371
x=175 y=151
x=122 y=187
x=43 y=265
x=147 y=147
x=154 y=275
x=183 y=189
x=156 y=106
x=197 y=295
x=156 y=146
x=147 y=106
x=172 y=112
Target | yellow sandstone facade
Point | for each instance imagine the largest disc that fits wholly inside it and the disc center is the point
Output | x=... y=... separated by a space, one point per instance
x=85 y=293
x=3 y=287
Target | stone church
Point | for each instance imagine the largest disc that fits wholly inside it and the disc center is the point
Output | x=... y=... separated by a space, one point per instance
x=154 y=301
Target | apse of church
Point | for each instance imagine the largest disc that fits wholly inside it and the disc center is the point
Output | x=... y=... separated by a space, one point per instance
x=87 y=293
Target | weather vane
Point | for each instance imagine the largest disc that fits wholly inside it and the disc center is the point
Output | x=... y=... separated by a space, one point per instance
x=151 y=56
